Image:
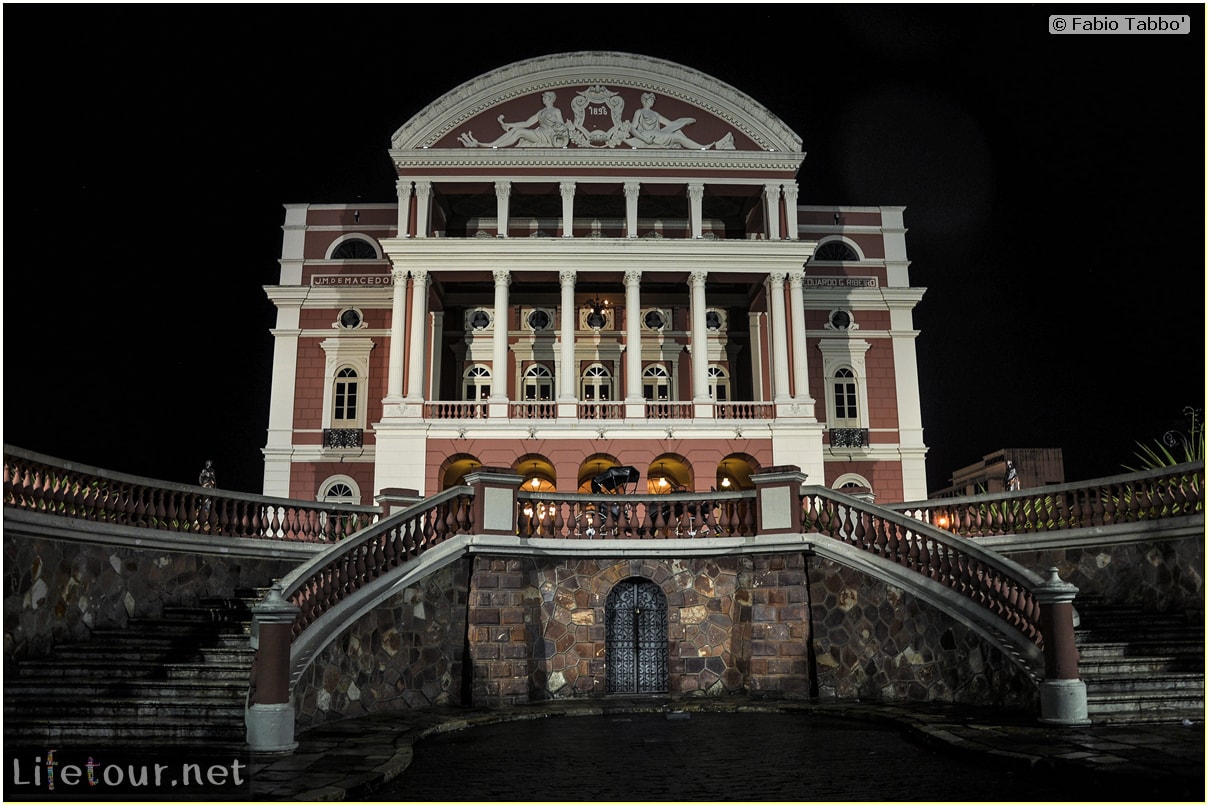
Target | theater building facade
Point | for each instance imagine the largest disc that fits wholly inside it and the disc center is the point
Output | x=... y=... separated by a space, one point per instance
x=594 y=260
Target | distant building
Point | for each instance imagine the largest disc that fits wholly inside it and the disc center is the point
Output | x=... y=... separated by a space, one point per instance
x=1035 y=466
x=596 y=284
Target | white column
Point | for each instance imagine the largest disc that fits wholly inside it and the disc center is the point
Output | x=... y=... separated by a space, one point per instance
x=415 y=358
x=777 y=342
x=279 y=448
x=398 y=346
x=791 y=210
x=631 y=208
x=695 y=193
x=436 y=336
x=502 y=192
x=906 y=389
x=567 y=189
x=797 y=323
x=403 y=191
x=568 y=372
x=698 y=338
x=633 y=342
x=755 y=334
x=772 y=205
x=499 y=340
x=423 y=204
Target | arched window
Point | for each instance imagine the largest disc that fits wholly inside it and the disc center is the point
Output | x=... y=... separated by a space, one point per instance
x=596 y=384
x=843 y=385
x=719 y=383
x=339 y=490
x=538 y=383
x=835 y=250
x=655 y=382
x=477 y=384
x=345 y=396
x=354 y=249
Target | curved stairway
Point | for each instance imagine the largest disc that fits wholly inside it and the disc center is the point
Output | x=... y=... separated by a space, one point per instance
x=1141 y=666
x=179 y=678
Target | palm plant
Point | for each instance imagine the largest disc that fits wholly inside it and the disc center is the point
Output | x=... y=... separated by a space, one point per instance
x=1175 y=447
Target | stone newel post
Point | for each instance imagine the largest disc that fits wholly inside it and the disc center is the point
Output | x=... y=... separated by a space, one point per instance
x=1063 y=694
x=269 y=717
x=779 y=500
x=494 y=500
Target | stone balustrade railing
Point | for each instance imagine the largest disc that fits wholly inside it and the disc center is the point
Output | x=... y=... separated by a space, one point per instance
x=643 y=517
x=990 y=580
x=599 y=410
x=1167 y=492
x=317 y=586
x=51 y=486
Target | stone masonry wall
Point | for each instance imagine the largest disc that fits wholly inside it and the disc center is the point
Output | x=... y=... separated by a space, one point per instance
x=1161 y=576
x=537 y=627
x=780 y=626
x=58 y=591
x=874 y=641
x=404 y=654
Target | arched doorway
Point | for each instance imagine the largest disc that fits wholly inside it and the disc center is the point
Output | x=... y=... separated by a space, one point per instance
x=636 y=638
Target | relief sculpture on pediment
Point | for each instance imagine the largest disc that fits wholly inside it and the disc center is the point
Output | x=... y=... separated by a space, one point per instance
x=594 y=109
x=545 y=129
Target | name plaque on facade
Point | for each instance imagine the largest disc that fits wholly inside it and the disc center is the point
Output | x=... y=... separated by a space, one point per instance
x=351 y=279
x=839 y=282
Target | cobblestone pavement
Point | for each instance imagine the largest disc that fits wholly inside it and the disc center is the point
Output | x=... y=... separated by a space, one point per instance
x=732 y=749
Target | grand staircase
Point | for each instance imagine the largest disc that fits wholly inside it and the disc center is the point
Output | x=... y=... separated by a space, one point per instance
x=179 y=678
x=1140 y=666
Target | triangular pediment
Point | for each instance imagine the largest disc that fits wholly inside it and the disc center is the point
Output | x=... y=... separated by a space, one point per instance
x=604 y=102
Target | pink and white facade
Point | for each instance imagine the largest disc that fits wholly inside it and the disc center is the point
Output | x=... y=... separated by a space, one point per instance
x=595 y=259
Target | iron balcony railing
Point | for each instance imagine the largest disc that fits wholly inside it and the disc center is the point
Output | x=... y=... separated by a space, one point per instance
x=343 y=437
x=849 y=437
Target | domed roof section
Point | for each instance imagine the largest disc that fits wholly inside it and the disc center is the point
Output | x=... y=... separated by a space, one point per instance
x=598 y=101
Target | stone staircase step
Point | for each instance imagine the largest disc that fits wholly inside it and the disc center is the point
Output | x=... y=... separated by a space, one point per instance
x=69 y=667
x=48 y=689
x=213 y=671
x=1184 y=645
x=1154 y=664
x=1171 y=682
x=125 y=709
x=101 y=731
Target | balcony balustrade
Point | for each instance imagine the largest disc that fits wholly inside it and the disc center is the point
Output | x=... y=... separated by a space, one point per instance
x=599 y=410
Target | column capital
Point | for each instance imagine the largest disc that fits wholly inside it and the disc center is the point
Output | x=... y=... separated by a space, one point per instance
x=631 y=189
x=398 y=276
x=696 y=191
x=502 y=277
x=795 y=279
x=423 y=188
x=633 y=278
x=566 y=277
x=791 y=192
x=403 y=186
x=419 y=276
x=697 y=278
x=502 y=189
x=567 y=189
x=776 y=276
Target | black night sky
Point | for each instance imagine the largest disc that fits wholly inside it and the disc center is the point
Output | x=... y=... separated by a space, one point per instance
x=1054 y=187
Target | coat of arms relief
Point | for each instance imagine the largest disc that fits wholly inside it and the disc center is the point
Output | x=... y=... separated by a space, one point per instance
x=597 y=121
